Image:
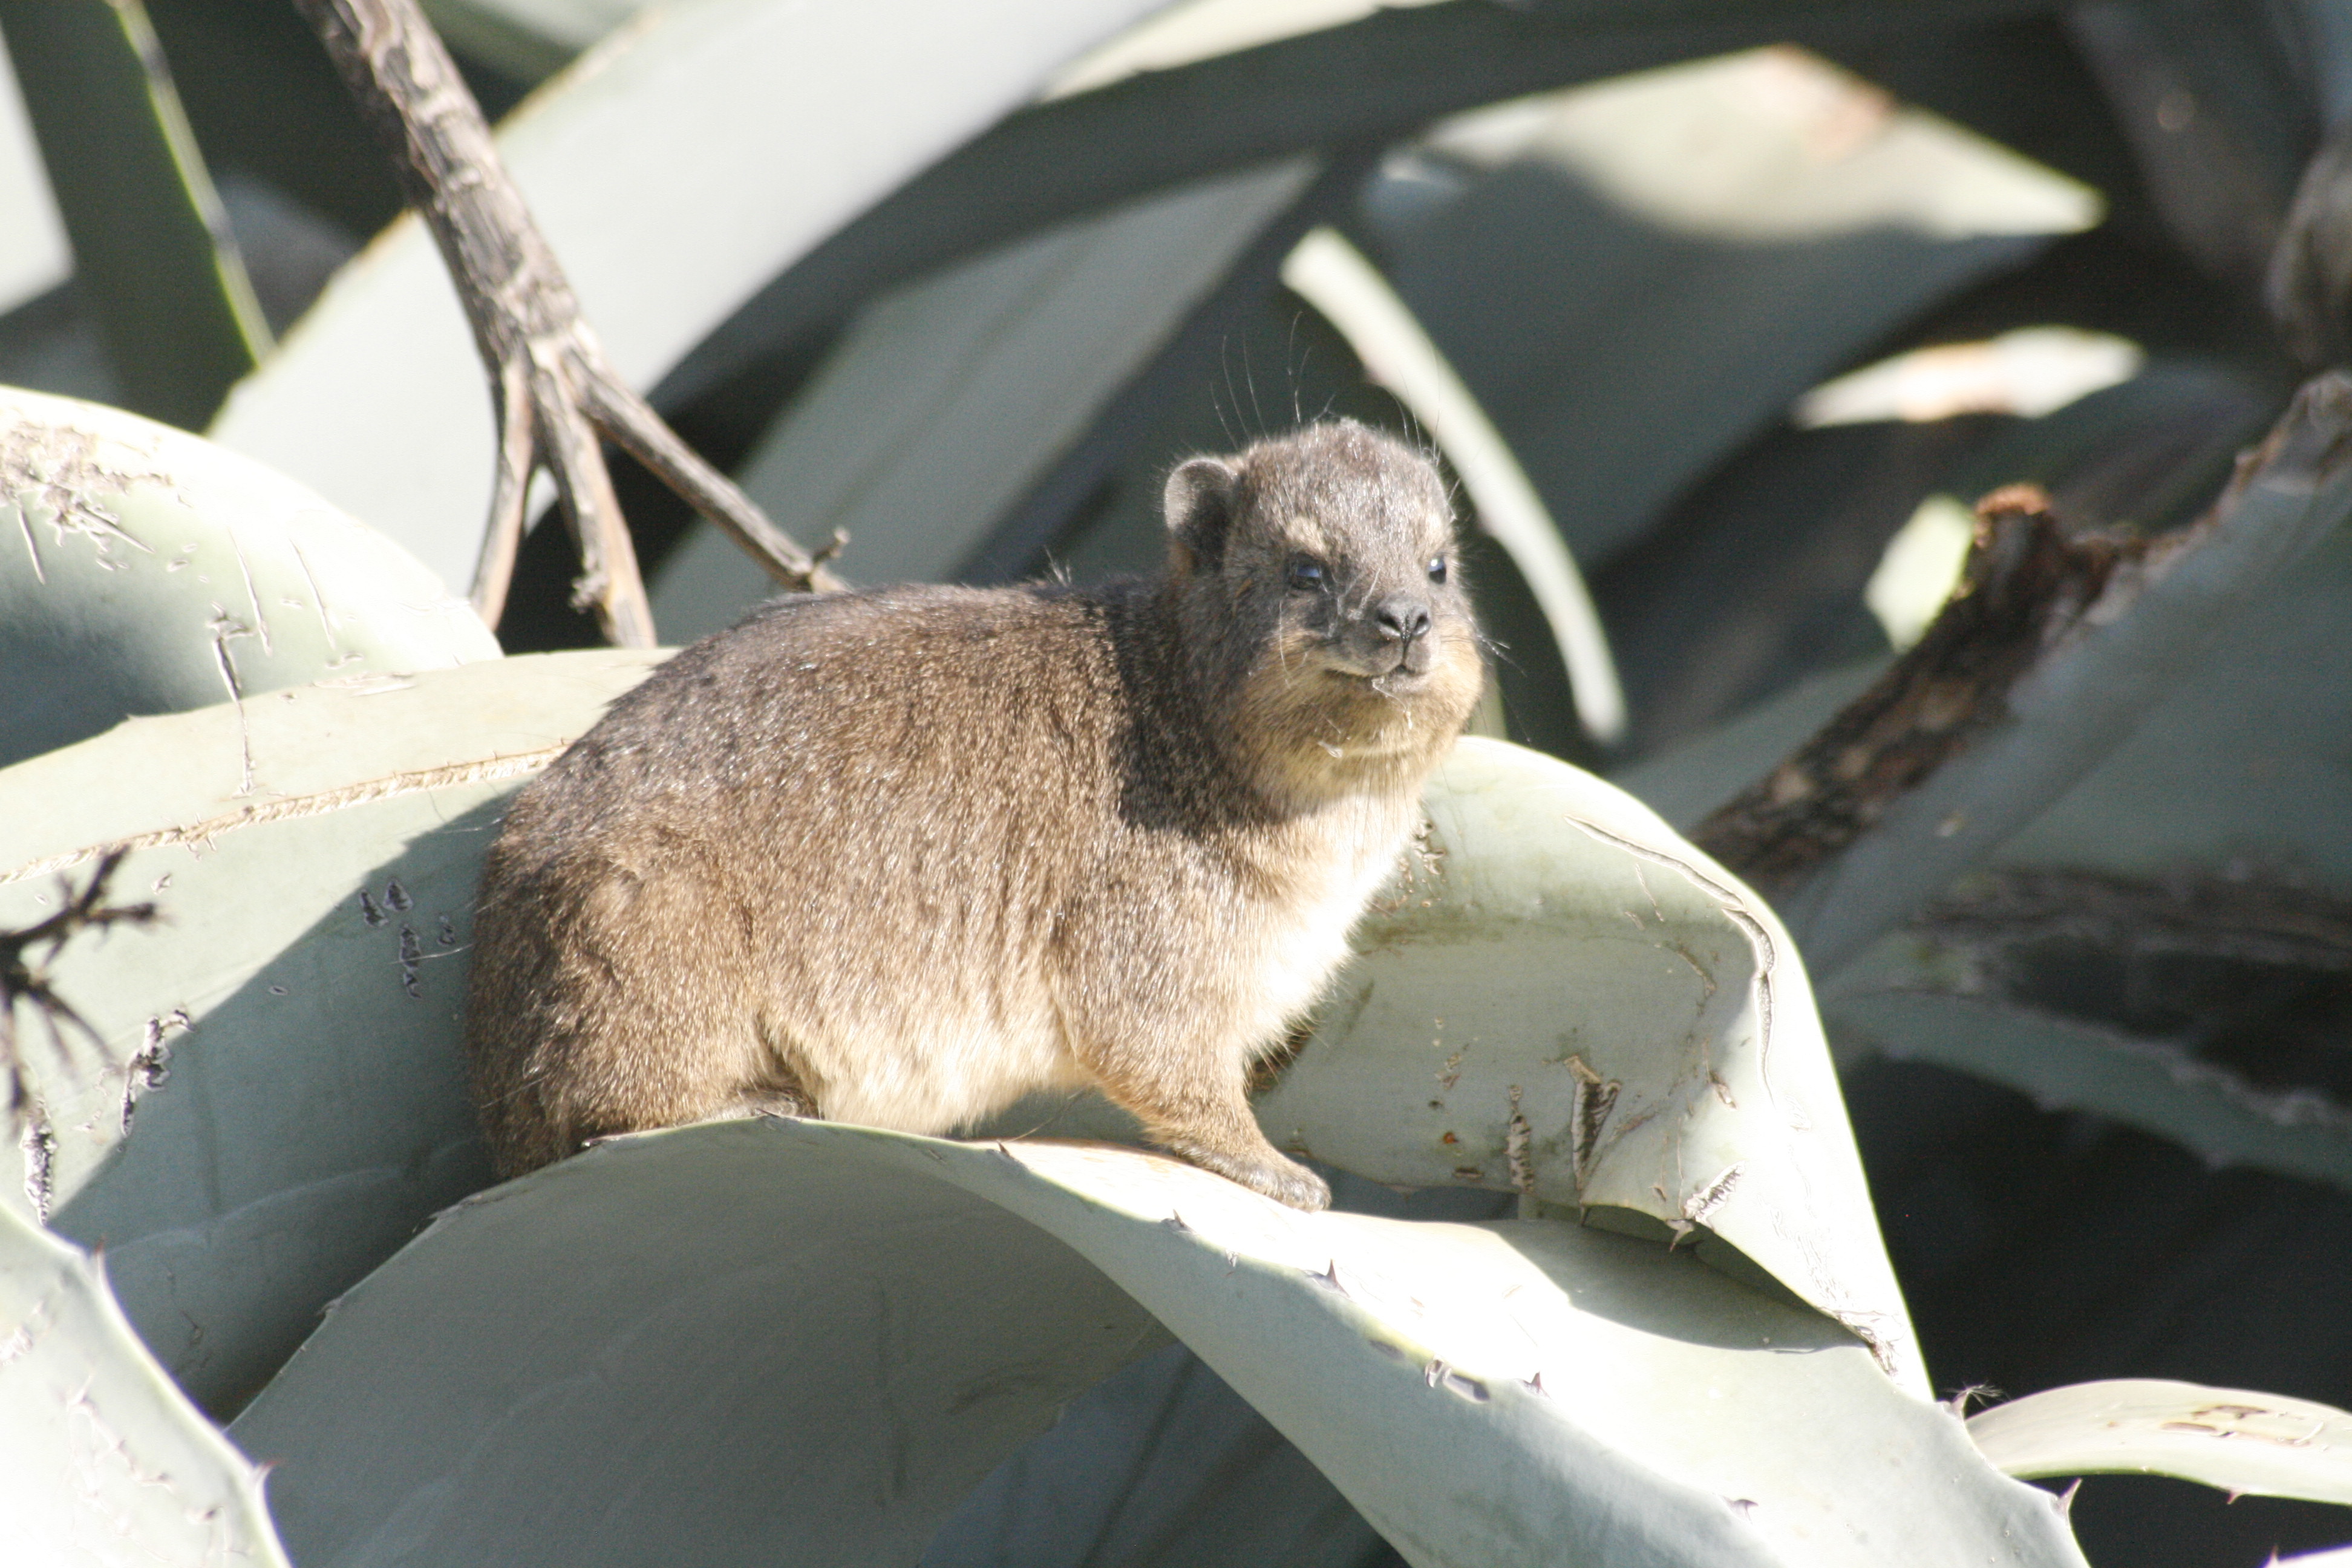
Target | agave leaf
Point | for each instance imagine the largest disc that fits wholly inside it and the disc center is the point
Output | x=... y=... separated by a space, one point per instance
x=527 y=39
x=2235 y=780
x=2092 y=691
x=672 y=170
x=755 y=1333
x=144 y=570
x=947 y=402
x=334 y=898
x=152 y=245
x=34 y=255
x=275 y=1100
x=102 y=1458
x=1363 y=76
x=1782 y=265
x=2158 y=1086
x=2226 y=1438
x=1565 y=998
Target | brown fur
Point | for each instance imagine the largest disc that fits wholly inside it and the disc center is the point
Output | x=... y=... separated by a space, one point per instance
x=901 y=857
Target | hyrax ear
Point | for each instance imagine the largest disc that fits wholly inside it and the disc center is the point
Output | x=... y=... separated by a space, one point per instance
x=1200 y=506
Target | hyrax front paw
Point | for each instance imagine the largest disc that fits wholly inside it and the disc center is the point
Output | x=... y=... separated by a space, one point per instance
x=1262 y=1172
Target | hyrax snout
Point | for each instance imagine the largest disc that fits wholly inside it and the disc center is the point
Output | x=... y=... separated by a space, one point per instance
x=901 y=857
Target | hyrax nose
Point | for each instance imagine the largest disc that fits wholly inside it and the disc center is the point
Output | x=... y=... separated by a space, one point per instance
x=1401 y=618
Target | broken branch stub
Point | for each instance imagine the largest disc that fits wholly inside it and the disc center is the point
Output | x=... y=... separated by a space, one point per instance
x=1995 y=716
x=555 y=392
x=2025 y=585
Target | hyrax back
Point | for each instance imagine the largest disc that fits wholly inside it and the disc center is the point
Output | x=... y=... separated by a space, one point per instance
x=902 y=857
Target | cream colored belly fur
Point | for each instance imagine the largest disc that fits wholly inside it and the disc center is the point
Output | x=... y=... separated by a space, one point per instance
x=963 y=1067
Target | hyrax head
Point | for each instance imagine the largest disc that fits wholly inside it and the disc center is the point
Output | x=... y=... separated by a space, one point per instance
x=1318 y=588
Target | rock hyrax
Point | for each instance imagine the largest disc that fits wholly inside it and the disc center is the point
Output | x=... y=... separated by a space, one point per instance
x=901 y=857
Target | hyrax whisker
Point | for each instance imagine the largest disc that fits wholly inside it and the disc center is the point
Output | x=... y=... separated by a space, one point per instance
x=904 y=856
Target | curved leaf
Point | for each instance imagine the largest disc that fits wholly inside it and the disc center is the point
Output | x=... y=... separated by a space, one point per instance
x=2225 y=1437
x=102 y=1458
x=1565 y=998
x=145 y=570
x=734 y=1336
x=153 y=255
x=2158 y=1086
x=276 y=1101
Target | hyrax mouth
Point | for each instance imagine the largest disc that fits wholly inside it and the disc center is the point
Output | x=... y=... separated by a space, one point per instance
x=1384 y=667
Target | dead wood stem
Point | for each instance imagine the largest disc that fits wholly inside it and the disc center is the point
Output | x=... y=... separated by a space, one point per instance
x=556 y=394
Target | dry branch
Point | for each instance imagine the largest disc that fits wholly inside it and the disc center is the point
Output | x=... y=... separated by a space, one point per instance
x=24 y=978
x=556 y=394
x=2026 y=584
x=2052 y=658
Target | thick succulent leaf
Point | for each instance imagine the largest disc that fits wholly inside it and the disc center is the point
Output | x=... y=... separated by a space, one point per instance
x=102 y=1460
x=275 y=1099
x=673 y=171
x=144 y=570
x=949 y=401
x=762 y=1332
x=153 y=254
x=1364 y=75
x=34 y=255
x=1563 y=997
x=1771 y=271
x=2090 y=693
x=2226 y=1438
x=805 y=1351
x=2158 y=1086
x=2242 y=759
x=527 y=39
x=2237 y=778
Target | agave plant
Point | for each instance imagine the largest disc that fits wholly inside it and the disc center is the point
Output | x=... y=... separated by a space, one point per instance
x=1605 y=1284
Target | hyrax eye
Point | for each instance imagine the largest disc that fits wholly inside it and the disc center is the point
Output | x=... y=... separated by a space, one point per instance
x=1307 y=574
x=1437 y=569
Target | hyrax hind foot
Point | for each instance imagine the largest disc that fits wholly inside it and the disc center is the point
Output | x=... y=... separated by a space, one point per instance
x=1261 y=1170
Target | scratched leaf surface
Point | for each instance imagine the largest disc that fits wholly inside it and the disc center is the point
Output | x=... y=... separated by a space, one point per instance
x=764 y=1331
x=144 y=570
x=102 y=1460
x=1565 y=997
x=275 y=1101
